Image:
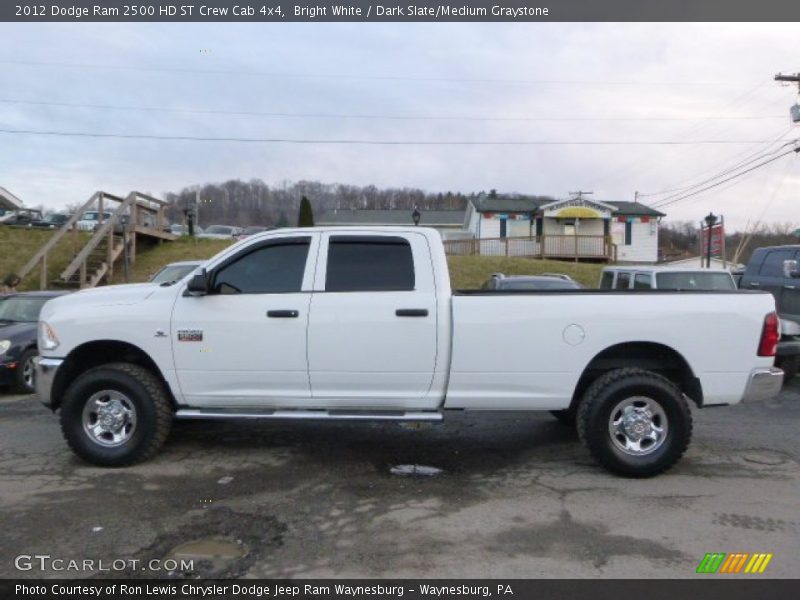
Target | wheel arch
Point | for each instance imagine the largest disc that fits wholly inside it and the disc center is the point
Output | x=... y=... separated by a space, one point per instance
x=96 y=353
x=651 y=356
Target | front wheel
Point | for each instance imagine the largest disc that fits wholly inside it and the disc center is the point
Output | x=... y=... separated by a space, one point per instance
x=24 y=383
x=116 y=415
x=634 y=422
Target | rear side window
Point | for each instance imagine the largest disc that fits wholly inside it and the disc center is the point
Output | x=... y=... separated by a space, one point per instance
x=369 y=264
x=606 y=280
x=773 y=264
x=273 y=269
x=642 y=281
x=623 y=280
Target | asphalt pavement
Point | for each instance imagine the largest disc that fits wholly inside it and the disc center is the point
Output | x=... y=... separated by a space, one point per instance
x=480 y=495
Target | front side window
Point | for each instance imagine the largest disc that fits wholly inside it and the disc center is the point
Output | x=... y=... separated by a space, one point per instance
x=773 y=264
x=623 y=281
x=275 y=268
x=369 y=264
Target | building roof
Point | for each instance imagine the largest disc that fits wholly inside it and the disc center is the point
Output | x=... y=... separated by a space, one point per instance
x=528 y=204
x=8 y=200
x=430 y=218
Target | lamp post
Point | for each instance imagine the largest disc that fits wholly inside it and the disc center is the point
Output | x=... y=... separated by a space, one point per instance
x=416 y=216
x=711 y=220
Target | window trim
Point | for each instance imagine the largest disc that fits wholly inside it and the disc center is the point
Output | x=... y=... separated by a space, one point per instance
x=246 y=251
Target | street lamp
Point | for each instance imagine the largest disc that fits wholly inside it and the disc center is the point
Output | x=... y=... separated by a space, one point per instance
x=711 y=220
x=416 y=216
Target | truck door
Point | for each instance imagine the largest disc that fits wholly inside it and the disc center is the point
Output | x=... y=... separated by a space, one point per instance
x=372 y=334
x=244 y=343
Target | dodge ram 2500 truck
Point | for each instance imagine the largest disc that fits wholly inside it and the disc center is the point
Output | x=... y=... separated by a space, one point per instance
x=361 y=323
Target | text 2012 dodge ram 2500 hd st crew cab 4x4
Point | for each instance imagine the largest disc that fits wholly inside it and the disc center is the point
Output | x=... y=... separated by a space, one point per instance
x=360 y=323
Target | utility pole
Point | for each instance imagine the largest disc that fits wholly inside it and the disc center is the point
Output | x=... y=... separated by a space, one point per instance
x=794 y=111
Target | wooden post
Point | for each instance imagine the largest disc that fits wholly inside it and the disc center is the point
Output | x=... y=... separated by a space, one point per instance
x=100 y=210
x=110 y=255
x=43 y=277
x=132 y=222
x=82 y=275
x=541 y=246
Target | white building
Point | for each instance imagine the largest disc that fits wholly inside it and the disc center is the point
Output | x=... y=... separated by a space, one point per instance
x=577 y=228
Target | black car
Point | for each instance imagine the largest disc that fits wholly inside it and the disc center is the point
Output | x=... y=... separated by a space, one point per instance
x=19 y=314
x=51 y=221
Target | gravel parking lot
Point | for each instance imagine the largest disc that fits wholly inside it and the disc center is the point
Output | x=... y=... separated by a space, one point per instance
x=517 y=496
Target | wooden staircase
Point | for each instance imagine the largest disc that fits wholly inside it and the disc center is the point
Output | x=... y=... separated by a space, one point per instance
x=99 y=265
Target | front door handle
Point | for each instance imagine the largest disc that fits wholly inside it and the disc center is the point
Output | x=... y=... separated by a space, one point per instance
x=755 y=284
x=790 y=287
x=283 y=314
x=411 y=312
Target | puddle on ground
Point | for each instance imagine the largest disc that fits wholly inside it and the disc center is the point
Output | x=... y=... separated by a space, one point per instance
x=770 y=459
x=415 y=470
x=211 y=553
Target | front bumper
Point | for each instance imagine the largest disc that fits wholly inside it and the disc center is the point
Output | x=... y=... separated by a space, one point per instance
x=763 y=384
x=8 y=373
x=45 y=374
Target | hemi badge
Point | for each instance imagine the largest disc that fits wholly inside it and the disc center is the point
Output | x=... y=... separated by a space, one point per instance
x=190 y=335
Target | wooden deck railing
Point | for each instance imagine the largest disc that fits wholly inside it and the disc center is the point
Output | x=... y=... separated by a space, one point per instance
x=575 y=247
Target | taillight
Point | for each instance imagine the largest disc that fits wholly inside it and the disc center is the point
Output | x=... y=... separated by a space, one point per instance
x=770 y=335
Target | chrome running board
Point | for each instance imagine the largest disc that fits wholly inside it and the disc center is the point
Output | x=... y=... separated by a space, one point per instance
x=362 y=415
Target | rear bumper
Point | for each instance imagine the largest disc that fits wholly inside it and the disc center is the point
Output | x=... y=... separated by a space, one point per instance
x=763 y=384
x=45 y=374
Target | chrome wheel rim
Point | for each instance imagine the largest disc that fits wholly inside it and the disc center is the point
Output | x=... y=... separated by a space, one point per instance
x=638 y=426
x=109 y=418
x=27 y=373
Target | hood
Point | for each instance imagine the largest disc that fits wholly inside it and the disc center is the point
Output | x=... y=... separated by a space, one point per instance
x=108 y=295
x=17 y=332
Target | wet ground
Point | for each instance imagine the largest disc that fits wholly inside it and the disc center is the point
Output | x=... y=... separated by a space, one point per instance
x=505 y=496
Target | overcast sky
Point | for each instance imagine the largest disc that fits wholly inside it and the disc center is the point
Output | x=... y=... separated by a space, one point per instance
x=482 y=82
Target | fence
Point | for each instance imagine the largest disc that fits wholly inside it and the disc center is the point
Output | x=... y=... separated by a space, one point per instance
x=575 y=247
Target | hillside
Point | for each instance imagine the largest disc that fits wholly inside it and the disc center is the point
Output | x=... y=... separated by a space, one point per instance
x=17 y=246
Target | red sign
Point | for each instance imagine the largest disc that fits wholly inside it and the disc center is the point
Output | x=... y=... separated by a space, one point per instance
x=717 y=240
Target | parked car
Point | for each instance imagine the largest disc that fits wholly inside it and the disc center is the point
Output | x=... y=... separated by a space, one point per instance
x=551 y=281
x=220 y=232
x=178 y=229
x=665 y=278
x=19 y=313
x=91 y=219
x=251 y=230
x=175 y=271
x=361 y=323
x=21 y=217
x=51 y=221
x=774 y=269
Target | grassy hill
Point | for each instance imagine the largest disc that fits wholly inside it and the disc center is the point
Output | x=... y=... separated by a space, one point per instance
x=18 y=245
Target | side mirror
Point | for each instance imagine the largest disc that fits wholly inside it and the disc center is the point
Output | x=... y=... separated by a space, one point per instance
x=790 y=269
x=198 y=285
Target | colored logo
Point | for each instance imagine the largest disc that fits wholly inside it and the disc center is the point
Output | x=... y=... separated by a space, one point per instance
x=737 y=562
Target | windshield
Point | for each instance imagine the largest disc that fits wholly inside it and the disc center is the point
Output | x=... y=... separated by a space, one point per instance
x=220 y=229
x=21 y=309
x=173 y=273
x=721 y=280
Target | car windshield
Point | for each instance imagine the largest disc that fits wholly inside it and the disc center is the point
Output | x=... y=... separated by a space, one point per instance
x=252 y=230
x=223 y=229
x=172 y=273
x=21 y=309
x=539 y=284
x=695 y=281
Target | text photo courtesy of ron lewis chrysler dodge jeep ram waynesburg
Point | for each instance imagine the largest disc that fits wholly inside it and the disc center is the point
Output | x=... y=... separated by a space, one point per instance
x=361 y=323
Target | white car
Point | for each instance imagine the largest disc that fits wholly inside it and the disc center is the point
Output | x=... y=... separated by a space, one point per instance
x=665 y=278
x=361 y=323
x=220 y=232
x=91 y=219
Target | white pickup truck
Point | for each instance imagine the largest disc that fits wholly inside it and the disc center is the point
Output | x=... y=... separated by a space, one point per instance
x=361 y=323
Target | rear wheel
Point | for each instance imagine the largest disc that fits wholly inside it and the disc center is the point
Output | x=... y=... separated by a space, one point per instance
x=634 y=422
x=25 y=371
x=116 y=414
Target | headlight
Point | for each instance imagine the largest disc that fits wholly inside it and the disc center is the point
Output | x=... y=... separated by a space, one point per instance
x=4 y=346
x=789 y=327
x=48 y=340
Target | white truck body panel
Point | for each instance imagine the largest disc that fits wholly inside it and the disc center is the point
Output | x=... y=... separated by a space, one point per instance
x=350 y=350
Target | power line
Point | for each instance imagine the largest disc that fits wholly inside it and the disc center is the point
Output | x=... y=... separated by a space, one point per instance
x=249 y=113
x=345 y=76
x=737 y=175
x=361 y=142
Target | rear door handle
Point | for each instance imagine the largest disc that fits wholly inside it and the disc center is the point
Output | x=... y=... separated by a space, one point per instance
x=283 y=314
x=411 y=312
x=790 y=287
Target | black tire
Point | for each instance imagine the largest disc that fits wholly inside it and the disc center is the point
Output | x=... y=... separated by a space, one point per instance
x=24 y=377
x=140 y=389
x=659 y=395
x=567 y=416
x=790 y=367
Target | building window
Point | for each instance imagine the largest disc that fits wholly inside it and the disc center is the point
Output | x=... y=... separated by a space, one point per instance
x=628 y=233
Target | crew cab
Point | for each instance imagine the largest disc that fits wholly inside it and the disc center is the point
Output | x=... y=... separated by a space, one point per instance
x=361 y=323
